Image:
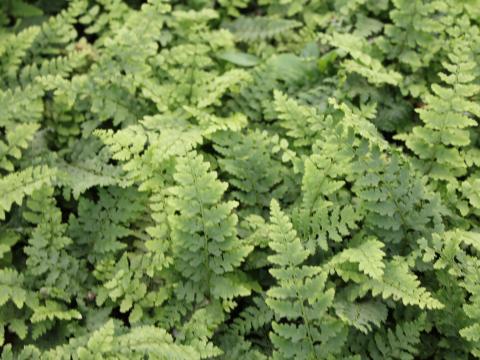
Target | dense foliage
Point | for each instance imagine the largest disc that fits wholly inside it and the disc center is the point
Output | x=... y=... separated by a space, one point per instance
x=237 y=179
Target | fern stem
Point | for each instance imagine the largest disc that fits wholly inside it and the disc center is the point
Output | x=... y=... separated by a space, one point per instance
x=307 y=325
x=205 y=239
x=304 y=314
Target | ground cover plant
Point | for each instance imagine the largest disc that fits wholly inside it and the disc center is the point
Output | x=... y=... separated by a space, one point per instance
x=237 y=179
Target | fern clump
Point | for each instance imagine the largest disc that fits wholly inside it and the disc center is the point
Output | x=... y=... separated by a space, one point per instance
x=239 y=179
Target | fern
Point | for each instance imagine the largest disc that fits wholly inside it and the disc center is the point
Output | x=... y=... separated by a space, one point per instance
x=300 y=122
x=59 y=30
x=52 y=310
x=205 y=225
x=58 y=66
x=368 y=255
x=198 y=331
x=362 y=316
x=111 y=342
x=11 y=288
x=17 y=139
x=88 y=228
x=394 y=202
x=246 y=159
x=400 y=284
x=85 y=173
x=15 y=50
x=16 y=185
x=440 y=141
x=324 y=213
x=401 y=344
x=21 y=104
x=317 y=332
x=406 y=36
x=260 y=28
x=142 y=145
x=362 y=62
x=47 y=259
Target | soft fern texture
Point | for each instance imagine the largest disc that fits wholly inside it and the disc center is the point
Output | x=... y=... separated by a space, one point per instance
x=238 y=179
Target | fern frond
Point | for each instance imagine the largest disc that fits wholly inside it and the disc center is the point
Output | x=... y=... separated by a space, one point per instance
x=402 y=285
x=252 y=317
x=198 y=331
x=447 y=117
x=50 y=266
x=17 y=139
x=11 y=288
x=362 y=315
x=303 y=329
x=21 y=104
x=99 y=226
x=400 y=343
x=300 y=122
x=368 y=255
x=260 y=28
x=53 y=310
x=253 y=162
x=15 y=50
x=15 y=186
x=204 y=234
x=362 y=62
x=411 y=44
x=62 y=66
x=137 y=343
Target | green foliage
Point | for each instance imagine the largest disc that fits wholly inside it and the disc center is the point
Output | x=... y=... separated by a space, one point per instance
x=17 y=185
x=294 y=179
x=447 y=117
x=253 y=164
x=303 y=328
x=260 y=28
x=400 y=343
x=204 y=234
x=17 y=139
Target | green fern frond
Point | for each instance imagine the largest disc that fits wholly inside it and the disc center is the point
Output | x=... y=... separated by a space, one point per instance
x=402 y=285
x=16 y=186
x=260 y=28
x=17 y=139
x=302 y=329
x=205 y=226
